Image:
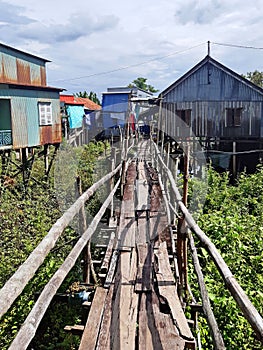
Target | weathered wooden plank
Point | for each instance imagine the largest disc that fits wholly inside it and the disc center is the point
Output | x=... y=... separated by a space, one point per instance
x=146 y=327
x=125 y=304
x=92 y=327
x=112 y=269
x=75 y=330
x=167 y=290
x=158 y=225
x=165 y=330
x=103 y=342
x=141 y=170
x=142 y=230
x=108 y=253
x=144 y=268
x=142 y=195
x=126 y=233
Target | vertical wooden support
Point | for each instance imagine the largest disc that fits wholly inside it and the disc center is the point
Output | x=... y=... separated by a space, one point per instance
x=113 y=164
x=182 y=230
x=24 y=165
x=87 y=264
x=234 y=160
x=46 y=152
x=168 y=155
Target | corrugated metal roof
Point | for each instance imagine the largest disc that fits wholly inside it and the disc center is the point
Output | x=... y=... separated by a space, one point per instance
x=22 y=52
x=70 y=99
x=209 y=60
x=89 y=104
x=30 y=87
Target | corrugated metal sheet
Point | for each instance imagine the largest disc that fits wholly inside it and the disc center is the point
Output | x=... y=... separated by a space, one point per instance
x=50 y=134
x=23 y=72
x=9 y=72
x=18 y=71
x=208 y=119
x=19 y=123
x=114 y=108
x=26 y=131
x=209 y=91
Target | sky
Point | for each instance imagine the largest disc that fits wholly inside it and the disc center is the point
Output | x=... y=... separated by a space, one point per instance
x=100 y=44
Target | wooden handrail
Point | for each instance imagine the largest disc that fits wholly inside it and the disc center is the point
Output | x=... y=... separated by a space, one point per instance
x=15 y=285
x=248 y=309
x=28 y=330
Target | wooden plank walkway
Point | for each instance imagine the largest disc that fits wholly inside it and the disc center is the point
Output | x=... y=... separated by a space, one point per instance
x=138 y=307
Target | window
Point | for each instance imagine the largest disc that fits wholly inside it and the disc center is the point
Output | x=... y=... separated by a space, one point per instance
x=45 y=113
x=185 y=115
x=233 y=116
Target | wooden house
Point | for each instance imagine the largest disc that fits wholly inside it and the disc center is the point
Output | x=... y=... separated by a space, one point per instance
x=30 y=117
x=29 y=109
x=117 y=104
x=224 y=111
x=80 y=118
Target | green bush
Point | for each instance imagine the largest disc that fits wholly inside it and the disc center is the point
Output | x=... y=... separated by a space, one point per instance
x=233 y=220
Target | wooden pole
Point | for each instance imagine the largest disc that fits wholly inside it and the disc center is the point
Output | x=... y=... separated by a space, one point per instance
x=87 y=264
x=46 y=158
x=29 y=327
x=234 y=160
x=15 y=285
x=113 y=164
x=249 y=311
x=218 y=341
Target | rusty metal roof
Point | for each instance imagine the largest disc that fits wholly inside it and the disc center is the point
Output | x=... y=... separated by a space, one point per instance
x=89 y=104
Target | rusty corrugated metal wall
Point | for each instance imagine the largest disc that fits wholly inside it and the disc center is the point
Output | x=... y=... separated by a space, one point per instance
x=26 y=131
x=24 y=70
x=18 y=68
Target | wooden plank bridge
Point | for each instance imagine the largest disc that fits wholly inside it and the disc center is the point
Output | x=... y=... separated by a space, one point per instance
x=139 y=302
x=138 y=307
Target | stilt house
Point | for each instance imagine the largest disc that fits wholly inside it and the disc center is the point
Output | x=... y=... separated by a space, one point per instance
x=218 y=107
x=29 y=109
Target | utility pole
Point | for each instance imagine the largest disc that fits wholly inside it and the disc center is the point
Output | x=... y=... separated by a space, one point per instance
x=208 y=48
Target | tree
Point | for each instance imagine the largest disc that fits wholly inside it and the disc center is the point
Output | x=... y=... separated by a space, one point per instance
x=141 y=84
x=255 y=77
x=92 y=96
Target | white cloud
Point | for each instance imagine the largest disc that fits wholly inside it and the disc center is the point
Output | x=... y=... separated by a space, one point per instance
x=85 y=39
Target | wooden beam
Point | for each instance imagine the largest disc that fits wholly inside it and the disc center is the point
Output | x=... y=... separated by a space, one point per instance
x=144 y=268
x=167 y=289
x=28 y=330
x=15 y=285
x=248 y=309
x=92 y=327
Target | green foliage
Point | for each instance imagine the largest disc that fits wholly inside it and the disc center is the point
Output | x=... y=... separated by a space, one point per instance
x=255 y=77
x=141 y=84
x=26 y=215
x=91 y=95
x=233 y=220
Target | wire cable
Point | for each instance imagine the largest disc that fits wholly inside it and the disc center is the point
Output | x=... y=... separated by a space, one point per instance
x=130 y=66
x=238 y=46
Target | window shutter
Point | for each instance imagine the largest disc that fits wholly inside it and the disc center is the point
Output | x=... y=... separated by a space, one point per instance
x=45 y=113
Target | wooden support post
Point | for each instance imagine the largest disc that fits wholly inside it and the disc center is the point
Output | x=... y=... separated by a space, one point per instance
x=24 y=166
x=168 y=156
x=113 y=163
x=87 y=264
x=234 y=161
x=182 y=231
x=46 y=152
x=218 y=341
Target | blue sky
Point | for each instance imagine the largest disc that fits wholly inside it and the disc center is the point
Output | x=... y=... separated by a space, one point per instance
x=159 y=40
